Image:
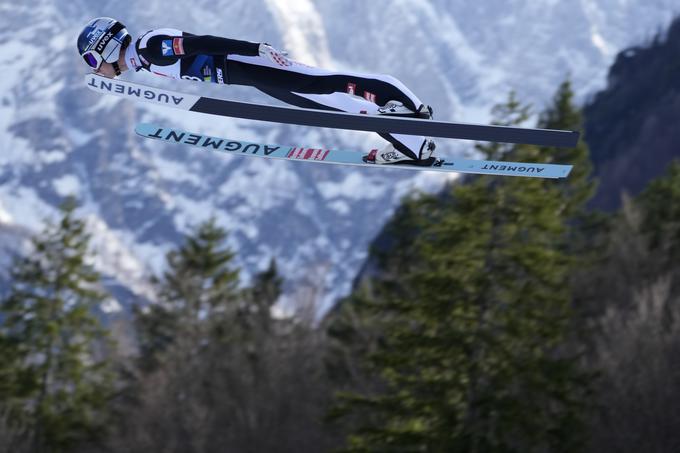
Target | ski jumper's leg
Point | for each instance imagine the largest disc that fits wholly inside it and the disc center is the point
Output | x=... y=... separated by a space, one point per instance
x=310 y=87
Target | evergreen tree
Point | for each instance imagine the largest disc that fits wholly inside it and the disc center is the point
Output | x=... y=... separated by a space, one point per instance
x=579 y=187
x=474 y=311
x=197 y=293
x=510 y=113
x=55 y=379
x=253 y=329
x=638 y=330
x=266 y=288
x=225 y=371
x=255 y=313
x=184 y=338
x=660 y=203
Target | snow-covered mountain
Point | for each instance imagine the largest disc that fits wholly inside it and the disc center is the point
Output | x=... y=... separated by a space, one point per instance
x=59 y=139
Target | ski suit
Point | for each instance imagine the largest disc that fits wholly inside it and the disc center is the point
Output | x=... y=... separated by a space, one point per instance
x=172 y=53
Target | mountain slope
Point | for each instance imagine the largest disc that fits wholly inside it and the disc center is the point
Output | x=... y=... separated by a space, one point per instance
x=631 y=126
x=58 y=139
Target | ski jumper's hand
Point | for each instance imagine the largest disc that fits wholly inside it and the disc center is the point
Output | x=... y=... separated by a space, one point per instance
x=277 y=57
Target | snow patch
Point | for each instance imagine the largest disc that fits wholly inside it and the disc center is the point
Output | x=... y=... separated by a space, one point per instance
x=341 y=207
x=5 y=217
x=262 y=183
x=190 y=212
x=111 y=306
x=79 y=138
x=51 y=157
x=112 y=255
x=353 y=186
x=20 y=57
x=67 y=185
x=600 y=43
x=174 y=171
x=595 y=15
x=433 y=182
x=22 y=207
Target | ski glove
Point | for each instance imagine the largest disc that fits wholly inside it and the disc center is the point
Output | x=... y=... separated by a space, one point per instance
x=278 y=57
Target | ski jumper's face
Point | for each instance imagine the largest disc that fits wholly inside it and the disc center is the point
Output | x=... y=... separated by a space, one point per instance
x=106 y=69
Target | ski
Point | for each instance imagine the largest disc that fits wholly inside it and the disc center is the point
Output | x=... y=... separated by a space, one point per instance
x=331 y=119
x=344 y=157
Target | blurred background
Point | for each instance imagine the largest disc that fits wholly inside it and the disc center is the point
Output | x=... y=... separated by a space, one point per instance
x=237 y=304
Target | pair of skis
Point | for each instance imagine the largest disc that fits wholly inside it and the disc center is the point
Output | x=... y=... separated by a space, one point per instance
x=337 y=120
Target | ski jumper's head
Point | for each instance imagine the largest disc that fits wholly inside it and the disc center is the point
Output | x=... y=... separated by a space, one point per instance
x=102 y=43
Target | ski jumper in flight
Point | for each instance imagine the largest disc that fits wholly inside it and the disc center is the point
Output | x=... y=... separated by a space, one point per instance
x=108 y=48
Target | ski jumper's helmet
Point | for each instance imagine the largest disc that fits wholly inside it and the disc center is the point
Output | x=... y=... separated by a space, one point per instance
x=101 y=41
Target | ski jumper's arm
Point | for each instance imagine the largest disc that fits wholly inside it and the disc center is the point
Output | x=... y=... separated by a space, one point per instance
x=162 y=49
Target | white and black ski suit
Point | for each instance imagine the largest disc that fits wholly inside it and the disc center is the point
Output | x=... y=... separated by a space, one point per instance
x=180 y=55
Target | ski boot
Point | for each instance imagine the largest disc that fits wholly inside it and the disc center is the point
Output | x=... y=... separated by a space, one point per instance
x=396 y=108
x=427 y=149
x=392 y=156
